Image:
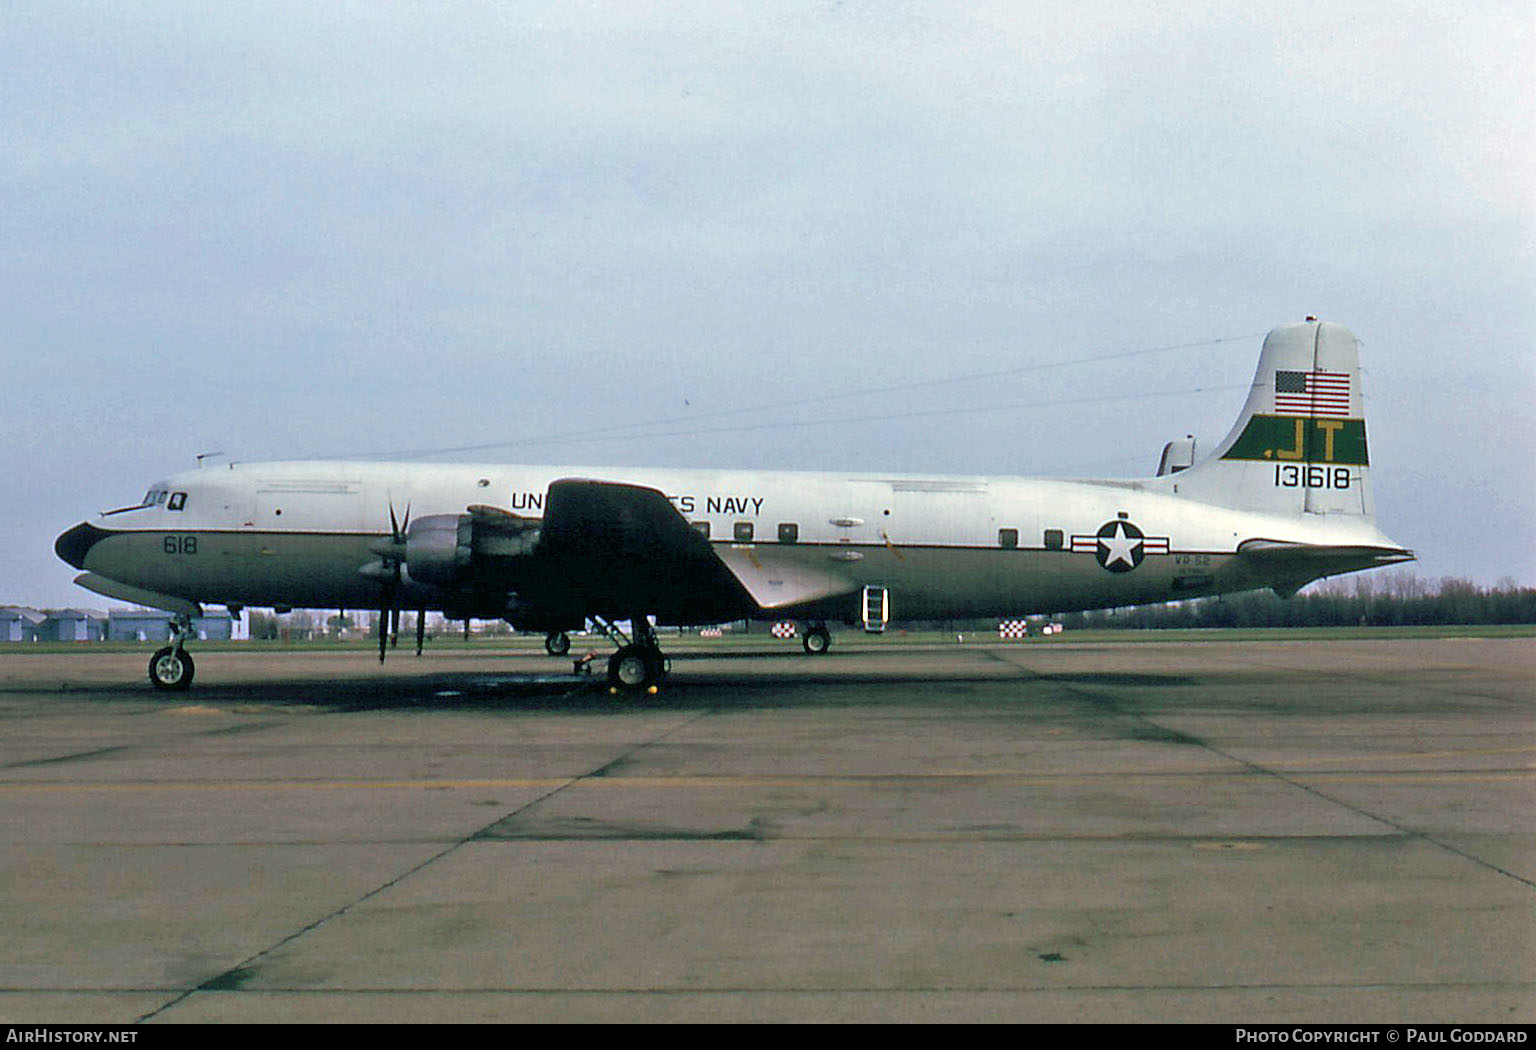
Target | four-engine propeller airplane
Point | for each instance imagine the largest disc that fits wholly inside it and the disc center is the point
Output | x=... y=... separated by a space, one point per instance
x=1283 y=500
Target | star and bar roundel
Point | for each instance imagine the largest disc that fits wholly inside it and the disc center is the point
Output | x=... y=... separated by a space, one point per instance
x=1119 y=545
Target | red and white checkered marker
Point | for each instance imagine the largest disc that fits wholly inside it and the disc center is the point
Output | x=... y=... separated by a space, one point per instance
x=784 y=629
x=1012 y=630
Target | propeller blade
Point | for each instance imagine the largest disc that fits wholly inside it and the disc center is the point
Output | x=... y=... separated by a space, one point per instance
x=421 y=629
x=392 y=561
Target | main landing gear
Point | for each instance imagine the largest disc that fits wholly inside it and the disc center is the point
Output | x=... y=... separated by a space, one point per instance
x=171 y=668
x=639 y=666
x=816 y=639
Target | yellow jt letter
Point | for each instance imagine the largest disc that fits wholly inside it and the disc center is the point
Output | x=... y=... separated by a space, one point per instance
x=1300 y=439
x=1329 y=427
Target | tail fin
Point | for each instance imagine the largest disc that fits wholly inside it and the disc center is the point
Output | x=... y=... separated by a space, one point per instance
x=1299 y=445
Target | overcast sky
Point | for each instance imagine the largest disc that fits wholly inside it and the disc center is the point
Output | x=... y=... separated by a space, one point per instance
x=305 y=230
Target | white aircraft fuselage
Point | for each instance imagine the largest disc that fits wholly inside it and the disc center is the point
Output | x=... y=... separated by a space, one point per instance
x=296 y=534
x=1284 y=499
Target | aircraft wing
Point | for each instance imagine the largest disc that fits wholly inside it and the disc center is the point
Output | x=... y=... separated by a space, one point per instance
x=1287 y=567
x=781 y=586
x=617 y=550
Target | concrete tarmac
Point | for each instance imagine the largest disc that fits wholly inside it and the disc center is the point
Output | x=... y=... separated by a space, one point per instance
x=1247 y=832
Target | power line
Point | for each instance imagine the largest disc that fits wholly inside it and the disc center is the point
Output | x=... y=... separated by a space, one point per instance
x=642 y=429
x=1140 y=395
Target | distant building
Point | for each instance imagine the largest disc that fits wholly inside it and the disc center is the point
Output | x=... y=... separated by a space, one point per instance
x=72 y=625
x=138 y=625
x=20 y=624
x=152 y=625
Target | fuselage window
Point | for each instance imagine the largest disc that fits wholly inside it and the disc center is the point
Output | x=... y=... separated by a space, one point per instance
x=1054 y=540
x=789 y=532
x=743 y=532
x=178 y=501
x=703 y=527
x=1008 y=538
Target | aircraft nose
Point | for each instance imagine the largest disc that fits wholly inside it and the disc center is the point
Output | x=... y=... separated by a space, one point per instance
x=73 y=545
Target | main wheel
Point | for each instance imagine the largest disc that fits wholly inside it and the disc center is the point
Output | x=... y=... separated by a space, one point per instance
x=557 y=643
x=817 y=640
x=171 y=670
x=634 y=668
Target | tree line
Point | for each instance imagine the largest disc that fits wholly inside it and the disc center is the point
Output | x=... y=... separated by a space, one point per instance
x=1394 y=600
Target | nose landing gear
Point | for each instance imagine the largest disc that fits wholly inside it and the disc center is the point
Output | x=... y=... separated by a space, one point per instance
x=171 y=668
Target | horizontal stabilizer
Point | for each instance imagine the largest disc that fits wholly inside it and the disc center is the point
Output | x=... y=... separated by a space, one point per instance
x=1287 y=566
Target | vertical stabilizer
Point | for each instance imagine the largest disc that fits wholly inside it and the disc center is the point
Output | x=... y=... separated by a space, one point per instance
x=1299 y=445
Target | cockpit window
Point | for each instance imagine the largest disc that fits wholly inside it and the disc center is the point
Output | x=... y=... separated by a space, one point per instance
x=153 y=498
x=178 y=501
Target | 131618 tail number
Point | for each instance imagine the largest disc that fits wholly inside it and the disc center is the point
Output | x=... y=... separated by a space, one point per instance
x=1311 y=476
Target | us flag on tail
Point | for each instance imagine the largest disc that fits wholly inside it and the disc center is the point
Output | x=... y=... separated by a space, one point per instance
x=1312 y=394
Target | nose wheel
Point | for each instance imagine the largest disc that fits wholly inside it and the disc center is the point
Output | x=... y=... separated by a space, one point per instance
x=171 y=669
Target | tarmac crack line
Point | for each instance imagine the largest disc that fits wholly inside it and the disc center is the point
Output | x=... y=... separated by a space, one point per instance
x=1114 y=704
x=1351 y=807
x=231 y=978
x=1395 y=825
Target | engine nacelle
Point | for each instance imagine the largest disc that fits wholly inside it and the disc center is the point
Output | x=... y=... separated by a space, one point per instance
x=480 y=551
x=439 y=550
x=477 y=560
